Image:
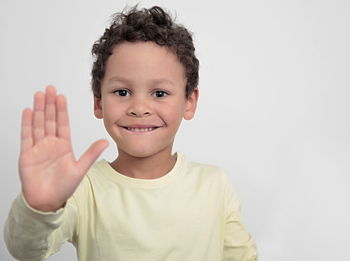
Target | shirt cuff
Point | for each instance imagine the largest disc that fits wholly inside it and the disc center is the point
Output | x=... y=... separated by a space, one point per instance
x=26 y=214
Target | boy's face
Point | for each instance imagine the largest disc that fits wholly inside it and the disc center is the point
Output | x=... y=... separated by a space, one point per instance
x=143 y=98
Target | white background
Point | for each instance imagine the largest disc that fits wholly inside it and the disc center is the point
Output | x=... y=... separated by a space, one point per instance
x=273 y=111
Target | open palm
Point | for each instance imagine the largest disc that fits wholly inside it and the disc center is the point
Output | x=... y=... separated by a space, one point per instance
x=48 y=170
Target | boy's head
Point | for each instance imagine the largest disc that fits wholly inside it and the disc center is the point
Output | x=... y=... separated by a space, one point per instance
x=146 y=25
x=144 y=81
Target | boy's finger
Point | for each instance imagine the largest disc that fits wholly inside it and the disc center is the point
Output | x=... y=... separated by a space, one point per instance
x=50 y=111
x=63 y=130
x=91 y=155
x=38 y=116
x=26 y=130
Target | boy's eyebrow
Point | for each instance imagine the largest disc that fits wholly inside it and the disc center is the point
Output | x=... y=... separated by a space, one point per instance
x=118 y=79
x=126 y=80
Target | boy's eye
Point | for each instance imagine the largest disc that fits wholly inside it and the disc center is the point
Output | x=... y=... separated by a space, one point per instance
x=160 y=94
x=122 y=92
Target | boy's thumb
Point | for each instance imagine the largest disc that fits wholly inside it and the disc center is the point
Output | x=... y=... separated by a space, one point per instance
x=91 y=155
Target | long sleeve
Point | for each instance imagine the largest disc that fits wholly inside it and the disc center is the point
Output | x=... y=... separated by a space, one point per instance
x=238 y=243
x=31 y=235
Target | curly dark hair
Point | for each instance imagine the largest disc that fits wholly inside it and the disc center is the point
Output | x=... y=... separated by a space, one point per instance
x=153 y=25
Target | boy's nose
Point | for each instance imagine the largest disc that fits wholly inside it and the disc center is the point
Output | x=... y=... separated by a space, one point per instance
x=139 y=108
x=137 y=114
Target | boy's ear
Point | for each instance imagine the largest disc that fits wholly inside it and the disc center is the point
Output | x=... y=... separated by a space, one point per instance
x=191 y=105
x=98 y=108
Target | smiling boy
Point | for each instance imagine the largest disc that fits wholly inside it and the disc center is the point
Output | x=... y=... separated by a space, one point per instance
x=142 y=102
x=148 y=204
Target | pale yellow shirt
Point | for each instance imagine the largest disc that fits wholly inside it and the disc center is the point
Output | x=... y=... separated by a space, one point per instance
x=190 y=214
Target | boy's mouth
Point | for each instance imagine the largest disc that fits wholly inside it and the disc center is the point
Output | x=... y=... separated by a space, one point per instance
x=140 y=129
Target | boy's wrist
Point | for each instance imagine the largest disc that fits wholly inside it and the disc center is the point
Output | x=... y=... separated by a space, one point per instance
x=42 y=210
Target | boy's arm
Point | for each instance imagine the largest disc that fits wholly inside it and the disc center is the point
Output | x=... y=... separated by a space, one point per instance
x=49 y=175
x=238 y=243
x=32 y=235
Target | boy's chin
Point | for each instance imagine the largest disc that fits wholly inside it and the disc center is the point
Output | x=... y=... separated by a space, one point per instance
x=140 y=153
x=144 y=149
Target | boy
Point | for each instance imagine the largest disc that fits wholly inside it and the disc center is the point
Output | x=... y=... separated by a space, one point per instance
x=148 y=204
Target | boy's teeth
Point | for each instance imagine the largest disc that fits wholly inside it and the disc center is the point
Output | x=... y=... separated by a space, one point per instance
x=140 y=129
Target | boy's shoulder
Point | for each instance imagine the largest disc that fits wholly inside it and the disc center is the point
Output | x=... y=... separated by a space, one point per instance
x=203 y=168
x=207 y=172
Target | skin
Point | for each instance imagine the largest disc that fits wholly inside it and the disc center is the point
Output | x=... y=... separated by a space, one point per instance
x=144 y=86
x=48 y=170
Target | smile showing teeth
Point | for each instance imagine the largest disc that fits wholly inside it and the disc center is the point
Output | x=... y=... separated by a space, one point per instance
x=140 y=129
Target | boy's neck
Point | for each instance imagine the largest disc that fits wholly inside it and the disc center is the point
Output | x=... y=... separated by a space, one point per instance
x=151 y=167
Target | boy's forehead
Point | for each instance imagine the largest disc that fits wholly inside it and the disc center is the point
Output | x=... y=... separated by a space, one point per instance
x=141 y=45
x=155 y=81
x=148 y=51
x=136 y=60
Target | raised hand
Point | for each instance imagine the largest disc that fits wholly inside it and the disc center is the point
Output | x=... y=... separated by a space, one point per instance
x=48 y=170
